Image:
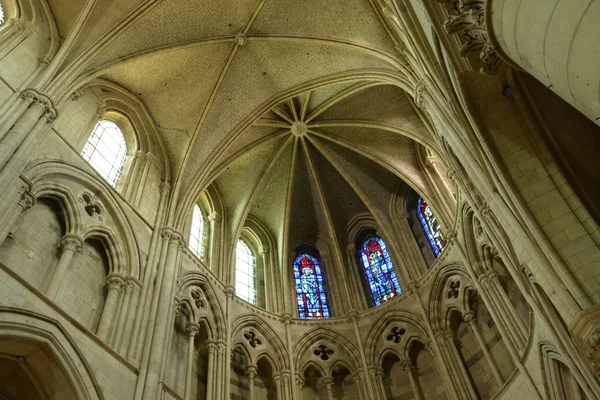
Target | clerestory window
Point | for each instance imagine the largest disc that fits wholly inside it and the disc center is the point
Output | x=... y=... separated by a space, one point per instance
x=105 y=150
x=245 y=273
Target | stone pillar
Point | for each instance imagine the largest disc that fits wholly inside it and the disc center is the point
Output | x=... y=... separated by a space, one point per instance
x=299 y=385
x=163 y=311
x=114 y=283
x=408 y=366
x=359 y=302
x=123 y=309
x=287 y=388
x=277 y=382
x=507 y=314
x=469 y=318
x=287 y=318
x=191 y=329
x=70 y=245
x=358 y=381
x=251 y=371
x=461 y=384
x=26 y=201
x=214 y=220
x=352 y=314
x=377 y=379
x=328 y=384
x=41 y=110
x=222 y=363
x=210 y=379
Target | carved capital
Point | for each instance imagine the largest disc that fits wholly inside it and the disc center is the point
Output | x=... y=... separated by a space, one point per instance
x=129 y=287
x=41 y=100
x=421 y=95
x=328 y=383
x=469 y=316
x=71 y=242
x=251 y=371
x=114 y=282
x=229 y=291
x=287 y=318
x=406 y=363
x=27 y=199
x=192 y=328
x=299 y=381
x=214 y=217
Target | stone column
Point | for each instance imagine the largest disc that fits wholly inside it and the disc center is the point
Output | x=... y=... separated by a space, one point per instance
x=213 y=247
x=287 y=318
x=114 y=283
x=358 y=381
x=70 y=245
x=163 y=310
x=191 y=329
x=251 y=371
x=377 y=379
x=210 y=379
x=222 y=363
x=408 y=366
x=287 y=389
x=469 y=318
x=299 y=381
x=122 y=312
x=26 y=201
x=506 y=311
x=455 y=368
x=353 y=314
x=328 y=384
x=277 y=382
x=41 y=110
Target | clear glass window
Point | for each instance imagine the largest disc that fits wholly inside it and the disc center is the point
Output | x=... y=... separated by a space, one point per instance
x=1 y=14
x=197 y=232
x=245 y=273
x=106 y=150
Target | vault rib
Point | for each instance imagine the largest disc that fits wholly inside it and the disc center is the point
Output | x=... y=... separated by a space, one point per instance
x=338 y=260
x=381 y=221
x=260 y=182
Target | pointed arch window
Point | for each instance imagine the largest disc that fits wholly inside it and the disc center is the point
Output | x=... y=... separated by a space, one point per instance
x=379 y=270
x=105 y=150
x=310 y=287
x=431 y=227
x=197 y=232
x=245 y=273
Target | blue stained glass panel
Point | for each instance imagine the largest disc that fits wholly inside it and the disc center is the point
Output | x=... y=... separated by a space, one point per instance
x=310 y=287
x=379 y=271
x=431 y=227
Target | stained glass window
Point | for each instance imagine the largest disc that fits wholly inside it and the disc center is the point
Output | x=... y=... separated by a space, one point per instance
x=379 y=271
x=310 y=287
x=245 y=267
x=105 y=150
x=197 y=232
x=431 y=226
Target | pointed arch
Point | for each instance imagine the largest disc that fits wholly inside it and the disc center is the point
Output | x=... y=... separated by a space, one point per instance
x=378 y=270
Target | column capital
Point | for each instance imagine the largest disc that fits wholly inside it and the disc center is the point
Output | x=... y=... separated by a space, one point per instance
x=114 y=282
x=352 y=314
x=251 y=371
x=299 y=381
x=212 y=346
x=27 y=199
x=192 y=328
x=287 y=317
x=214 y=217
x=129 y=286
x=72 y=242
x=328 y=383
x=406 y=363
x=41 y=100
x=469 y=316
x=229 y=290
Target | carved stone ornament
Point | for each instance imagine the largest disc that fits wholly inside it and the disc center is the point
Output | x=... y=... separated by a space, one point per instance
x=92 y=205
x=27 y=200
x=323 y=352
x=466 y=18
x=43 y=101
x=593 y=352
x=395 y=334
x=253 y=339
x=198 y=300
x=72 y=243
x=453 y=289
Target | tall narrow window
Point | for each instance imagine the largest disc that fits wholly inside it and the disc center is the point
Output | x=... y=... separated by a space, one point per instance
x=245 y=267
x=310 y=287
x=1 y=14
x=379 y=271
x=105 y=150
x=197 y=232
x=431 y=226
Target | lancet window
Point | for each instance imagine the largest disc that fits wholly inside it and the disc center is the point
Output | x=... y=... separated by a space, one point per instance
x=245 y=273
x=1 y=14
x=431 y=227
x=106 y=150
x=378 y=270
x=197 y=232
x=311 y=294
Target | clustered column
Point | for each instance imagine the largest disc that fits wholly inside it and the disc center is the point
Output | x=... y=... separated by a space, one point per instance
x=408 y=366
x=454 y=366
x=251 y=371
x=114 y=283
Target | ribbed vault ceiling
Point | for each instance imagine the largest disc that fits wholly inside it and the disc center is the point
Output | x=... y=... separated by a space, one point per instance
x=280 y=104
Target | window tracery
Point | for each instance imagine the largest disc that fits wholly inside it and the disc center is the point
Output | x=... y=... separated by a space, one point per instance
x=431 y=227
x=379 y=270
x=311 y=294
x=1 y=14
x=245 y=273
x=197 y=232
x=105 y=150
